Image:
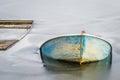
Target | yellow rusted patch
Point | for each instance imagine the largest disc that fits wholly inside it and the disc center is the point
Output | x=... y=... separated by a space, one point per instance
x=92 y=52
x=83 y=60
x=67 y=52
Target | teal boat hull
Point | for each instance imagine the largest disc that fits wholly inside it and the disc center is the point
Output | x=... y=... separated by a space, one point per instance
x=76 y=48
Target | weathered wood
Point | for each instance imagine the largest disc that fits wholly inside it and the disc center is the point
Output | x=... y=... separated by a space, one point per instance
x=16 y=21
x=15 y=26
x=5 y=44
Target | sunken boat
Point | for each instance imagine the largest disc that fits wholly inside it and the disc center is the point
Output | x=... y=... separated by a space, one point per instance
x=77 y=48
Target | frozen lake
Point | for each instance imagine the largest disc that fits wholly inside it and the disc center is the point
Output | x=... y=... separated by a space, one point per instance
x=54 y=18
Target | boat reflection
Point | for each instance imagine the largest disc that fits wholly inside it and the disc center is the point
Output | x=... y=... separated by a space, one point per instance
x=99 y=70
x=54 y=64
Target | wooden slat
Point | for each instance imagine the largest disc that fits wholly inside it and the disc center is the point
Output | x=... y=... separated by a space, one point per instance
x=5 y=44
x=15 y=26
x=16 y=21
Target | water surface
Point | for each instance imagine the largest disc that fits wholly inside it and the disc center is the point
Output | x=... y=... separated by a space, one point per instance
x=55 y=18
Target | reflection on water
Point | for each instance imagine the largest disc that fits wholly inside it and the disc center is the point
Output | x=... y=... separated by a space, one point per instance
x=87 y=72
x=90 y=71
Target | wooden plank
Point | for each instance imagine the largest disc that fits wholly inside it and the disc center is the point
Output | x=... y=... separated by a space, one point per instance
x=5 y=44
x=16 y=21
x=15 y=26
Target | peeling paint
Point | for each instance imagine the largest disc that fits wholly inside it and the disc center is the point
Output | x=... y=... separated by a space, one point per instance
x=76 y=48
